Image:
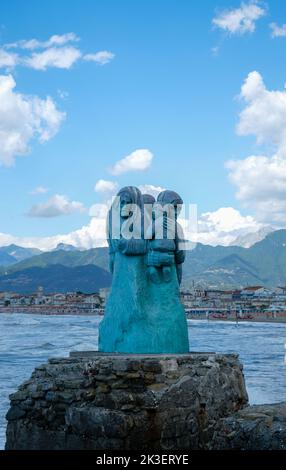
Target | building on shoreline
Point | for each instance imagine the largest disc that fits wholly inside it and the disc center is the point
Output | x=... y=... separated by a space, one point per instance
x=247 y=303
x=71 y=302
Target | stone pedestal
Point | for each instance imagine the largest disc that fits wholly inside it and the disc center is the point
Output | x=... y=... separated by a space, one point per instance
x=106 y=401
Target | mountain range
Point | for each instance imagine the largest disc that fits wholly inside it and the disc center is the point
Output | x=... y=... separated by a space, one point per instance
x=12 y=254
x=264 y=263
x=248 y=239
x=56 y=278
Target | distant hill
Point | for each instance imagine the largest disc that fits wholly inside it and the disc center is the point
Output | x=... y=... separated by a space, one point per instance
x=65 y=247
x=230 y=271
x=213 y=266
x=96 y=256
x=12 y=254
x=6 y=259
x=233 y=266
x=56 y=278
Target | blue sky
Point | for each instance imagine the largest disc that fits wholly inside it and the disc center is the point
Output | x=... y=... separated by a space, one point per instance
x=170 y=86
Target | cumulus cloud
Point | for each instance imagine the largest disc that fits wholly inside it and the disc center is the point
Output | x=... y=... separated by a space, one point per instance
x=261 y=185
x=91 y=235
x=39 y=190
x=58 y=52
x=61 y=57
x=105 y=186
x=277 y=31
x=24 y=118
x=261 y=179
x=56 y=206
x=226 y=219
x=265 y=112
x=220 y=227
x=240 y=20
x=101 y=57
x=139 y=160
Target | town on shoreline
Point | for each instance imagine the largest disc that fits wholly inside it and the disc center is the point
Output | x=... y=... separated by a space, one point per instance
x=252 y=303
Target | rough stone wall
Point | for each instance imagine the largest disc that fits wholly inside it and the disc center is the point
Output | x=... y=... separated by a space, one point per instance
x=101 y=401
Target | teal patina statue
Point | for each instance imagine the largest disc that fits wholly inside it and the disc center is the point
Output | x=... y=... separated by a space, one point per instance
x=144 y=313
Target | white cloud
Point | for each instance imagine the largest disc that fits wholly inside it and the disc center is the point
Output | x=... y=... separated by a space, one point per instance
x=226 y=219
x=55 y=206
x=100 y=210
x=151 y=189
x=89 y=236
x=138 y=160
x=22 y=119
x=59 y=57
x=260 y=179
x=8 y=59
x=261 y=184
x=58 y=51
x=277 y=31
x=240 y=20
x=39 y=190
x=265 y=112
x=223 y=226
x=105 y=186
x=101 y=57
x=55 y=40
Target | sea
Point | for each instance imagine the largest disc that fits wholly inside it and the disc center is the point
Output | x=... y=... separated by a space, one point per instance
x=28 y=340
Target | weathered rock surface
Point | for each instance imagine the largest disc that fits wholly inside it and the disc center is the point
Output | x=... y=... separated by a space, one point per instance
x=258 y=427
x=106 y=401
x=102 y=401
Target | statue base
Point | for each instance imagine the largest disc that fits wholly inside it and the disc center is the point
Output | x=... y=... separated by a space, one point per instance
x=115 y=401
x=102 y=401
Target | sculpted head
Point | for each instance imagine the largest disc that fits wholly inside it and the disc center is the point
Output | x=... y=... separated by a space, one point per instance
x=148 y=199
x=171 y=198
x=129 y=195
x=132 y=213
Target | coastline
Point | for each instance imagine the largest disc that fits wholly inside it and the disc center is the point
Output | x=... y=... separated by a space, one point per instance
x=243 y=320
x=37 y=310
